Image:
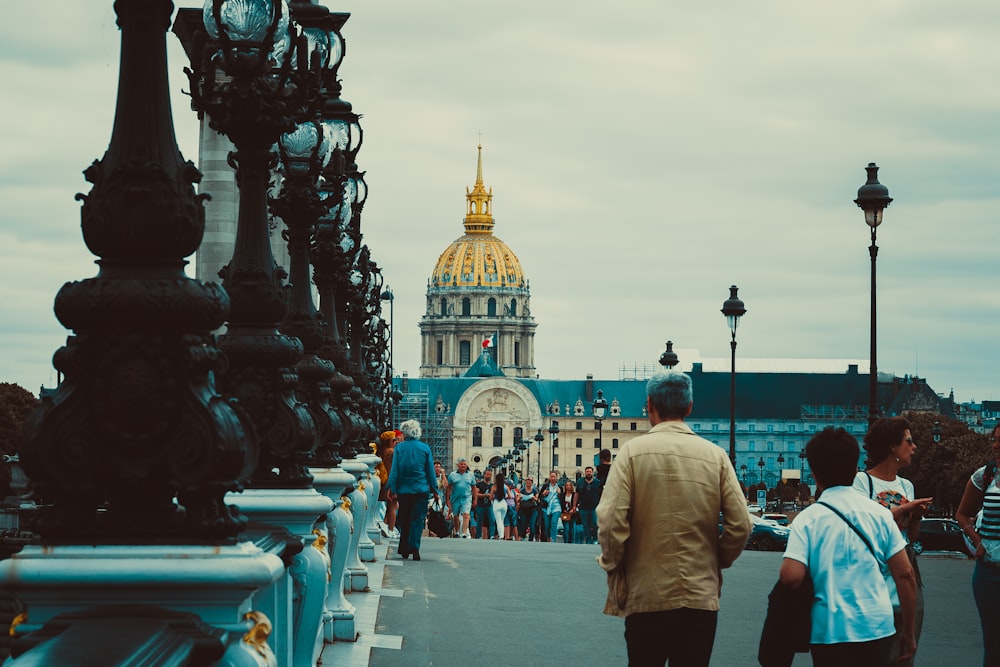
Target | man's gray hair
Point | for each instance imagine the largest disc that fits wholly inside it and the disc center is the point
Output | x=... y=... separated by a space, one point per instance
x=670 y=394
x=411 y=429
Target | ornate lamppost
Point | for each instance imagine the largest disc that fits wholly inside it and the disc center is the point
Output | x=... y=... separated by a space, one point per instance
x=669 y=358
x=137 y=421
x=539 y=439
x=873 y=198
x=600 y=408
x=554 y=437
x=760 y=464
x=733 y=309
x=270 y=78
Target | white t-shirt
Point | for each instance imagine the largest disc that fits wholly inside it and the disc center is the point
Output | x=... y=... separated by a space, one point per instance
x=852 y=600
x=888 y=494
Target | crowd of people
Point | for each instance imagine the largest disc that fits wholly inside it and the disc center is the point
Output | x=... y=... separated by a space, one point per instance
x=848 y=559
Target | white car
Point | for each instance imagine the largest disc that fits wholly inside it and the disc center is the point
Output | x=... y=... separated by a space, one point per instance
x=755 y=509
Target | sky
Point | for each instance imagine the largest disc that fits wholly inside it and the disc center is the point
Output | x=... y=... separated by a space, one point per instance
x=643 y=158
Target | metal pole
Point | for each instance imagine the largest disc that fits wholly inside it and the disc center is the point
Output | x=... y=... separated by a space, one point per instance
x=873 y=368
x=732 y=403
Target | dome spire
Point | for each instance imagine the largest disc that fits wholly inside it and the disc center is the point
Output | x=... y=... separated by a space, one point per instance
x=479 y=203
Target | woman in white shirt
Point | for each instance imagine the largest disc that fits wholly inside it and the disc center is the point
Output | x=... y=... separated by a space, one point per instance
x=890 y=448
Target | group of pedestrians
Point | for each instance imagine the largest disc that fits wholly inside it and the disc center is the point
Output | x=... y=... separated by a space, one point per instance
x=672 y=516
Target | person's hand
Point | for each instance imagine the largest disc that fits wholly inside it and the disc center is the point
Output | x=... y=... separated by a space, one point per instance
x=918 y=506
x=907 y=648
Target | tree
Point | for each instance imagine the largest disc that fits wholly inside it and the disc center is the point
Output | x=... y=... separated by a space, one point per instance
x=16 y=403
x=941 y=470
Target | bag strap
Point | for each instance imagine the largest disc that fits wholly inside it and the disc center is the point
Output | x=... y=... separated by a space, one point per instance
x=871 y=487
x=854 y=528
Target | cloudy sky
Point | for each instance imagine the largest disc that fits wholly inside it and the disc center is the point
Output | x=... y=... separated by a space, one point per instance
x=643 y=157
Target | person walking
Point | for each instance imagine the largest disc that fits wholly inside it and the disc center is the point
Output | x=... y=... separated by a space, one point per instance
x=658 y=524
x=890 y=447
x=498 y=496
x=568 y=513
x=982 y=493
x=551 y=507
x=841 y=542
x=588 y=493
x=527 y=510
x=460 y=485
x=484 y=504
x=387 y=442
x=411 y=480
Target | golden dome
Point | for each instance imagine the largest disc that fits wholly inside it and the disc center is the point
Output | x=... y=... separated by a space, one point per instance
x=478 y=258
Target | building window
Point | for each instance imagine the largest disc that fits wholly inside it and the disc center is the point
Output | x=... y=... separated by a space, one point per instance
x=440 y=352
x=632 y=426
x=770 y=446
x=517 y=353
x=464 y=353
x=770 y=428
x=497 y=436
x=614 y=443
x=614 y=426
x=518 y=434
x=579 y=460
x=579 y=443
x=751 y=427
x=477 y=436
x=579 y=426
x=491 y=307
x=715 y=427
x=752 y=446
x=466 y=306
x=513 y=307
x=791 y=428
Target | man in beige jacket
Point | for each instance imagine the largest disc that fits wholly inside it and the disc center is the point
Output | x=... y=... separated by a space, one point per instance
x=658 y=521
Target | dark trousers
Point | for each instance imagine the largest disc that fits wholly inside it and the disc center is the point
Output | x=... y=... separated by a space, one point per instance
x=857 y=654
x=410 y=519
x=682 y=637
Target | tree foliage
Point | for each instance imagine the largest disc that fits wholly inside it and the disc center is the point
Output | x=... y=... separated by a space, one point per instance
x=16 y=403
x=941 y=470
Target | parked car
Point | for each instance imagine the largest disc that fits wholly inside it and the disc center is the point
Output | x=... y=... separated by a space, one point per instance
x=779 y=519
x=940 y=535
x=766 y=536
x=755 y=509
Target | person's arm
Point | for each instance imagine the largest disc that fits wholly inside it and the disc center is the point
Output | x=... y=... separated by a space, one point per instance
x=432 y=482
x=735 y=517
x=613 y=528
x=906 y=586
x=792 y=572
x=968 y=507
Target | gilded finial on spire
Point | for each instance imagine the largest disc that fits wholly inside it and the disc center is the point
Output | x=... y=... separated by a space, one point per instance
x=479 y=202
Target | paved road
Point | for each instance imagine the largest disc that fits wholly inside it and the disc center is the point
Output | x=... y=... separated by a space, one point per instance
x=523 y=603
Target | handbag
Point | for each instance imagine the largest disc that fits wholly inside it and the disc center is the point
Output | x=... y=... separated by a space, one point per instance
x=566 y=517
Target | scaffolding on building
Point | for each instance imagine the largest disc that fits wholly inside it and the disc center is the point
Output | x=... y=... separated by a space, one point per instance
x=436 y=425
x=638 y=372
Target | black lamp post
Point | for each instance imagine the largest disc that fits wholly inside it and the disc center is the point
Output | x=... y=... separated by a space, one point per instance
x=539 y=439
x=600 y=408
x=873 y=198
x=937 y=431
x=137 y=420
x=743 y=472
x=760 y=464
x=554 y=435
x=387 y=295
x=669 y=358
x=733 y=309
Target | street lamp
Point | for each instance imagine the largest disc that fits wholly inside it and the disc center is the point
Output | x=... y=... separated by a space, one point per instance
x=539 y=439
x=873 y=198
x=743 y=472
x=733 y=309
x=554 y=435
x=387 y=295
x=600 y=408
x=760 y=464
x=937 y=431
x=669 y=358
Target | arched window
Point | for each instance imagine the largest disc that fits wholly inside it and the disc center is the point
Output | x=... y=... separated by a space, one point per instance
x=491 y=307
x=444 y=307
x=497 y=436
x=513 y=307
x=477 y=436
x=466 y=306
x=518 y=434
